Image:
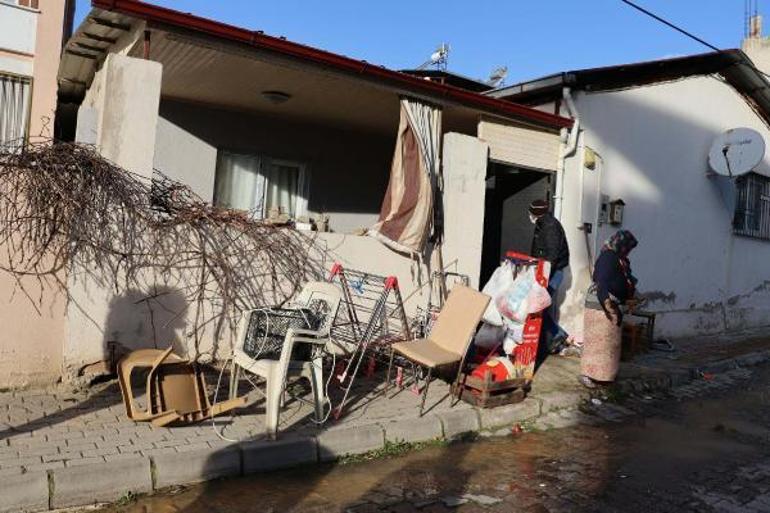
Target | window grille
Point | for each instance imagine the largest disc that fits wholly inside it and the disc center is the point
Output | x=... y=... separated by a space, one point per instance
x=14 y=111
x=752 y=206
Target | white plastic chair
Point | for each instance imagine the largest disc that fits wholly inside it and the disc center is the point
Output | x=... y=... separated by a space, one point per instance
x=276 y=372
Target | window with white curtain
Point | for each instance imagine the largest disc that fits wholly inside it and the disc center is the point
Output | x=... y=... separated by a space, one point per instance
x=14 y=111
x=257 y=184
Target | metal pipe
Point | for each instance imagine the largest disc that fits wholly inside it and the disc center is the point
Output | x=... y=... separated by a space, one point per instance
x=146 y=49
x=566 y=149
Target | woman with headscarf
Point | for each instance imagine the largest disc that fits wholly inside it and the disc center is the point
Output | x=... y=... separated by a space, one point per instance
x=614 y=285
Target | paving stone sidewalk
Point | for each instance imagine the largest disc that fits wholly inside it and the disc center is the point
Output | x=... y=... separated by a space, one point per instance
x=60 y=448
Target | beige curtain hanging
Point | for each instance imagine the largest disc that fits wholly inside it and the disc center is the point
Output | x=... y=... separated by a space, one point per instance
x=406 y=215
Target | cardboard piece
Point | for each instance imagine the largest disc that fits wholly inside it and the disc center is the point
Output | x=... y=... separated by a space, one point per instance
x=175 y=389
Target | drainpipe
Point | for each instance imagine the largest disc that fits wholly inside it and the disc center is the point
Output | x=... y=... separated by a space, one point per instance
x=567 y=149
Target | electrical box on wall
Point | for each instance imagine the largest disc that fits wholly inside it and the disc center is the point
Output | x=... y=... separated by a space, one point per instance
x=616 y=212
x=611 y=211
x=604 y=209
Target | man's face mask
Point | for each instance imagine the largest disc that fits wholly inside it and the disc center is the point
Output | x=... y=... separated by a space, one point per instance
x=532 y=218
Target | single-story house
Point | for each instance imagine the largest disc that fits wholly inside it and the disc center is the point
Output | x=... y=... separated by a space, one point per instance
x=260 y=123
x=645 y=132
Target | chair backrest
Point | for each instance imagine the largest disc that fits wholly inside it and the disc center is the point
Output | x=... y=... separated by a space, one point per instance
x=325 y=297
x=457 y=321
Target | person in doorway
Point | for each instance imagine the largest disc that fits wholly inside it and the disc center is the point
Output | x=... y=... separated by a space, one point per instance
x=550 y=243
x=614 y=286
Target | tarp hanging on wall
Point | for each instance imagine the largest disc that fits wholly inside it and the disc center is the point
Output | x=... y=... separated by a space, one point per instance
x=406 y=215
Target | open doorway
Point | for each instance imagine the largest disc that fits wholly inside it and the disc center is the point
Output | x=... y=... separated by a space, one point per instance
x=507 y=227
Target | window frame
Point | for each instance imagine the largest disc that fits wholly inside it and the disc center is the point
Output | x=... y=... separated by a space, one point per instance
x=6 y=75
x=303 y=181
x=303 y=184
x=751 y=216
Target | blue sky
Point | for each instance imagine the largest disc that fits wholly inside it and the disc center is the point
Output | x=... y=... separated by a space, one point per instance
x=531 y=37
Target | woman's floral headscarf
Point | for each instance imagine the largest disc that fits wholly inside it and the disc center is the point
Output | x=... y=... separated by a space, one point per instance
x=622 y=242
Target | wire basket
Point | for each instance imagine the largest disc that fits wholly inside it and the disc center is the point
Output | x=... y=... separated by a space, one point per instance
x=267 y=330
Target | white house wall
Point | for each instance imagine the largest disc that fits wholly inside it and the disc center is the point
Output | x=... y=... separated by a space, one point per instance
x=653 y=143
x=184 y=157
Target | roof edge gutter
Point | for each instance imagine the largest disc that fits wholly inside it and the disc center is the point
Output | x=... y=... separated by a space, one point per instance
x=341 y=63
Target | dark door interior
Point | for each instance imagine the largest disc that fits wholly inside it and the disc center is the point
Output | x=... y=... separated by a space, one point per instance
x=507 y=227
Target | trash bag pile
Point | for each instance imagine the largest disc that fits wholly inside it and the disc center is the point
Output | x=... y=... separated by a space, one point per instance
x=512 y=301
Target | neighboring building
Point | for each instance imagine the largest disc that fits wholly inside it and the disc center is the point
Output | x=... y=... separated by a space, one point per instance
x=256 y=122
x=31 y=37
x=645 y=131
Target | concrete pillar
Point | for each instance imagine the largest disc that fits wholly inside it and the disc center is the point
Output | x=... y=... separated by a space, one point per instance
x=122 y=103
x=465 y=169
x=119 y=115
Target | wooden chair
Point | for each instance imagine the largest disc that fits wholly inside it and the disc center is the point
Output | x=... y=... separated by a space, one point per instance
x=449 y=339
x=175 y=389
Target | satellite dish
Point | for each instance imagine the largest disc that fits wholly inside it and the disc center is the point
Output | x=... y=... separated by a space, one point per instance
x=438 y=58
x=736 y=152
x=497 y=77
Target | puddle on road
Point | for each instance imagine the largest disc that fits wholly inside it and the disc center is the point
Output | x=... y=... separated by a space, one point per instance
x=584 y=462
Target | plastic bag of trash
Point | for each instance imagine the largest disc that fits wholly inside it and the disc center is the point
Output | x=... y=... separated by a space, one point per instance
x=514 y=335
x=538 y=299
x=500 y=281
x=489 y=336
x=513 y=304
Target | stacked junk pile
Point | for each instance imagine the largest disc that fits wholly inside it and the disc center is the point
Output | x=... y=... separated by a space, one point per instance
x=331 y=332
x=484 y=343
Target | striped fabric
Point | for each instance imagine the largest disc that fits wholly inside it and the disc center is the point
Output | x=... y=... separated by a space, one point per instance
x=407 y=210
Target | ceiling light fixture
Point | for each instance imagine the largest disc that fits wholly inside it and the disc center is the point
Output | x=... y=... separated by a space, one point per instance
x=276 y=97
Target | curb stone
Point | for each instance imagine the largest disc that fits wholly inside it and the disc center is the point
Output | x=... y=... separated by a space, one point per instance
x=414 y=430
x=506 y=416
x=560 y=400
x=459 y=422
x=273 y=455
x=100 y=482
x=24 y=492
x=195 y=466
x=340 y=442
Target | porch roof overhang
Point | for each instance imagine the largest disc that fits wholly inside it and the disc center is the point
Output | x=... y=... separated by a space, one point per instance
x=117 y=25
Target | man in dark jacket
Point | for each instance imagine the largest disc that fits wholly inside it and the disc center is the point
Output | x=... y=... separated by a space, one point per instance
x=550 y=243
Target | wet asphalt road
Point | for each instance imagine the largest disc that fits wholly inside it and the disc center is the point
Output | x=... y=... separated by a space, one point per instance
x=704 y=448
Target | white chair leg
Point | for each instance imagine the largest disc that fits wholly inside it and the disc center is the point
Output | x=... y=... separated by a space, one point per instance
x=273 y=401
x=317 y=381
x=235 y=375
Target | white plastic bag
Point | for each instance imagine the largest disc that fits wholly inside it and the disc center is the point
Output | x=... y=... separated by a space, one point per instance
x=514 y=335
x=513 y=305
x=500 y=281
x=538 y=298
